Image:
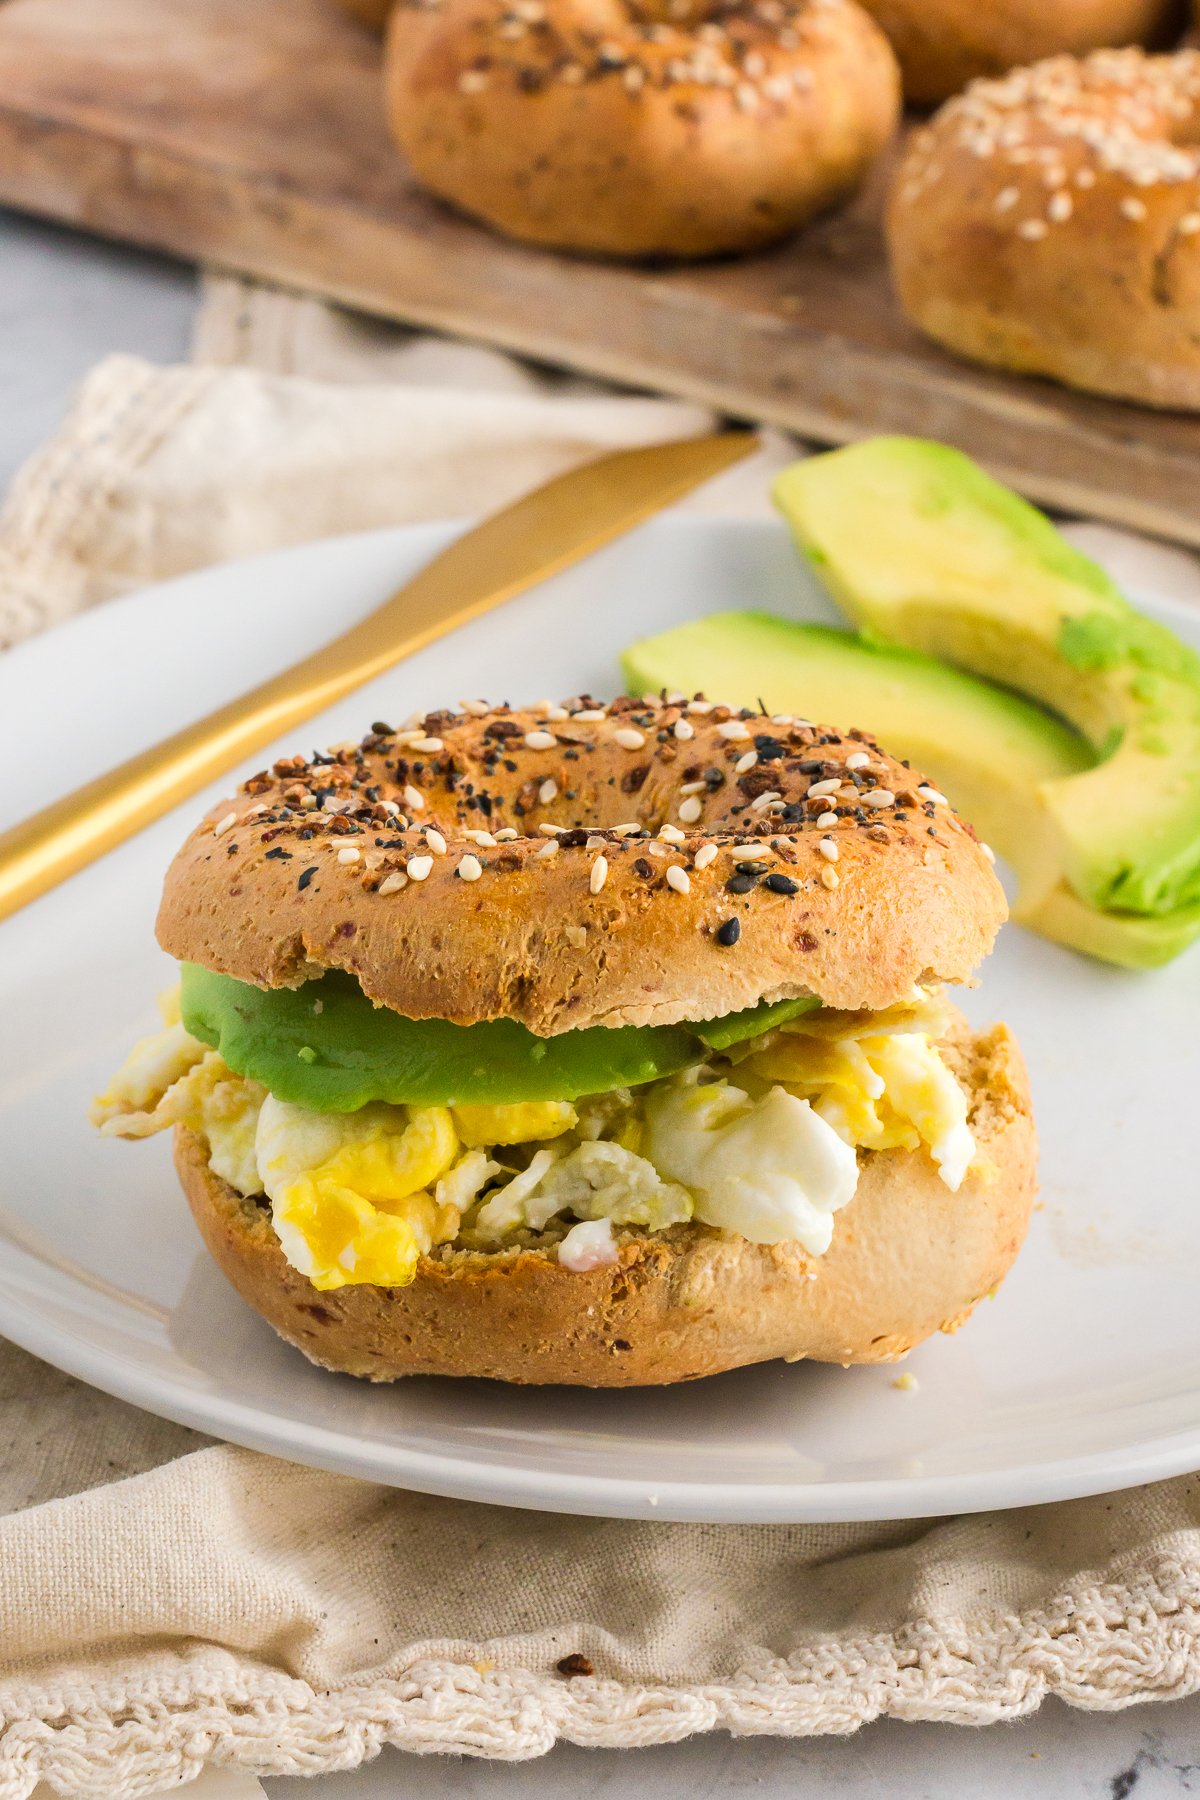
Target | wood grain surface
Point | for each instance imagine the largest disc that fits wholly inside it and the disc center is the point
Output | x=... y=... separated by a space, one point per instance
x=248 y=133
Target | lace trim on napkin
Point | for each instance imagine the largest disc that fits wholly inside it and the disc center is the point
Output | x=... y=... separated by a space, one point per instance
x=1099 y=1648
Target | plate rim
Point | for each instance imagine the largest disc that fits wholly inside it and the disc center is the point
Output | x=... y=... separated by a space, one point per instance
x=587 y=1495
x=454 y=1474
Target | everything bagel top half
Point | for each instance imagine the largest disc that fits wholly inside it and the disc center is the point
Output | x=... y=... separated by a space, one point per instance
x=524 y=1036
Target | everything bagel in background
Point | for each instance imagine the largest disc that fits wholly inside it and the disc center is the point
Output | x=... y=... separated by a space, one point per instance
x=592 y=1044
x=1049 y=222
x=373 y=13
x=627 y=129
x=944 y=44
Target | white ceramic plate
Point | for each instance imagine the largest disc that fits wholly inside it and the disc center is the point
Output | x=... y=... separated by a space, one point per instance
x=1083 y=1375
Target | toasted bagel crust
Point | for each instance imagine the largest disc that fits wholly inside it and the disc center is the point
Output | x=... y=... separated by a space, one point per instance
x=368 y=12
x=636 y=127
x=1050 y=223
x=944 y=44
x=908 y=1258
x=539 y=936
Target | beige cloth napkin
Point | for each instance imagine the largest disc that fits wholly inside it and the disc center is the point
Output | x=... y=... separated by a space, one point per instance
x=167 y=1604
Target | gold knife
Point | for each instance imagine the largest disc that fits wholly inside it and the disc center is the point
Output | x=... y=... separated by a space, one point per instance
x=533 y=538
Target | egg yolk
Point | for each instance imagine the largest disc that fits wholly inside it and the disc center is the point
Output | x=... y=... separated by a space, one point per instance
x=878 y=1090
x=526 y=1123
x=350 y=1196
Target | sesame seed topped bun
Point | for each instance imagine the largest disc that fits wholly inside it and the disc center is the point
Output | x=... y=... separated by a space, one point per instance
x=944 y=44
x=1050 y=222
x=644 y=862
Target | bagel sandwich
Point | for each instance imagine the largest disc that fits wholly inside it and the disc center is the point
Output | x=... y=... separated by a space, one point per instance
x=592 y=1044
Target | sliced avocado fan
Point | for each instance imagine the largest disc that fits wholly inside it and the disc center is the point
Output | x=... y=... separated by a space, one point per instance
x=326 y=1047
x=919 y=546
x=989 y=750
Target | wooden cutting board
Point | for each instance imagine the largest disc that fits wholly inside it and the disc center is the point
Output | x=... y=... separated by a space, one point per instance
x=249 y=133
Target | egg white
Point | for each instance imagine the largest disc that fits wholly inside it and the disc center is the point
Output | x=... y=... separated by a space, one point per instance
x=770 y=1170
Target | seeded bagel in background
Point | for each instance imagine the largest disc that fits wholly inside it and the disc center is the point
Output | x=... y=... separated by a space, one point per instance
x=626 y=130
x=944 y=44
x=373 y=13
x=1049 y=222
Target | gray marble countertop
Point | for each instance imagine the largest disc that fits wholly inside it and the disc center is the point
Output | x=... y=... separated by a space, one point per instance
x=66 y=301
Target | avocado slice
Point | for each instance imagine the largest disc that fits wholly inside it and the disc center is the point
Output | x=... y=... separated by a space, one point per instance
x=1131 y=940
x=735 y=1028
x=918 y=545
x=986 y=748
x=326 y=1047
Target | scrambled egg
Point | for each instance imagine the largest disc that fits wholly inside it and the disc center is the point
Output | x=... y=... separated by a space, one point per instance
x=153 y=1066
x=770 y=1170
x=762 y=1143
x=351 y=1192
x=592 y=1180
x=171 y=1079
x=523 y=1124
x=876 y=1078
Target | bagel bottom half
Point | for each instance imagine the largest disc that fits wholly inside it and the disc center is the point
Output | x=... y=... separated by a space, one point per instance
x=908 y=1258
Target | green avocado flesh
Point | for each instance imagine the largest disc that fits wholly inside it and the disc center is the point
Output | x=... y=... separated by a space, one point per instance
x=735 y=1028
x=326 y=1047
x=920 y=547
x=986 y=748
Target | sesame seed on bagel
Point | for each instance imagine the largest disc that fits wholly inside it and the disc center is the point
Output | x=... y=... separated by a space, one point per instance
x=640 y=128
x=943 y=44
x=1049 y=222
x=641 y=862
